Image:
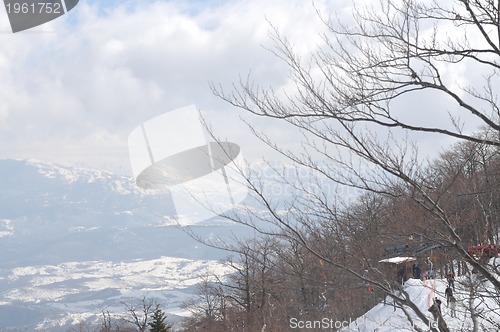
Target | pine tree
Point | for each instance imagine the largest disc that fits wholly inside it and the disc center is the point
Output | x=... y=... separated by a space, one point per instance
x=158 y=323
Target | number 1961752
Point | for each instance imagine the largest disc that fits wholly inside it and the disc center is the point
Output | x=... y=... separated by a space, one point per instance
x=34 y=8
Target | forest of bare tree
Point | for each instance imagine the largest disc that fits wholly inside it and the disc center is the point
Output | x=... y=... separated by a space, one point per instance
x=318 y=254
x=354 y=102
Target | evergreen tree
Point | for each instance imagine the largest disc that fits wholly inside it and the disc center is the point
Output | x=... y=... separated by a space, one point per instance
x=158 y=323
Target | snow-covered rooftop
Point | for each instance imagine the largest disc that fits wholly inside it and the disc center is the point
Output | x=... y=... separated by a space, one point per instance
x=398 y=260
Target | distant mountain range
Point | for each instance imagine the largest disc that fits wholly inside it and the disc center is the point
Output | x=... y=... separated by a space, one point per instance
x=74 y=241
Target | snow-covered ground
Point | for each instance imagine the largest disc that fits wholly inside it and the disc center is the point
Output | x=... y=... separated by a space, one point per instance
x=76 y=241
x=385 y=317
x=78 y=290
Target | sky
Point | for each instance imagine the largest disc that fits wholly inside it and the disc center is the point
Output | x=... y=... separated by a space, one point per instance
x=72 y=90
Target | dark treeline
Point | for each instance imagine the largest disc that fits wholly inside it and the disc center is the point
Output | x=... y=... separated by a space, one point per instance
x=329 y=266
x=325 y=262
x=279 y=278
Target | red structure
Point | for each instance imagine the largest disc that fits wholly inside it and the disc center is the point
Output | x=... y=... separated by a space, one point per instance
x=490 y=250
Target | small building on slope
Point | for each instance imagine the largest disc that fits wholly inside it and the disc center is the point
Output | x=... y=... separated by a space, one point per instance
x=400 y=267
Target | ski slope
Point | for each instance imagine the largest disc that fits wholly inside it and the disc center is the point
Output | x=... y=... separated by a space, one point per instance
x=386 y=317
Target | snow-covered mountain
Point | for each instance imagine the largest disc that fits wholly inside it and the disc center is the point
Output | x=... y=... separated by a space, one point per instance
x=75 y=241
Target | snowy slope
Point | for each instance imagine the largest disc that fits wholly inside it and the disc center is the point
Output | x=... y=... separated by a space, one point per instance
x=385 y=318
x=75 y=241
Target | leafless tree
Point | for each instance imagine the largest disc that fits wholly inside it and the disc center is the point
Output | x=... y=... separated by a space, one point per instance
x=210 y=299
x=351 y=101
x=139 y=314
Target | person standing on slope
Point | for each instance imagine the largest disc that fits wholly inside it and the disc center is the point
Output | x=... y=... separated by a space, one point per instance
x=451 y=280
x=438 y=304
x=453 y=303
x=448 y=293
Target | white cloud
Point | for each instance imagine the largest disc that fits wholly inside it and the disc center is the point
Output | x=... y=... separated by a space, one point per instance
x=76 y=91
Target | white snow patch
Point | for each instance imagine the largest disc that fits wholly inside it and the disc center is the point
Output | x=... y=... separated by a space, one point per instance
x=6 y=228
x=54 y=282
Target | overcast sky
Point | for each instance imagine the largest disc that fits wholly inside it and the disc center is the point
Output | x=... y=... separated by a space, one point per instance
x=72 y=90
